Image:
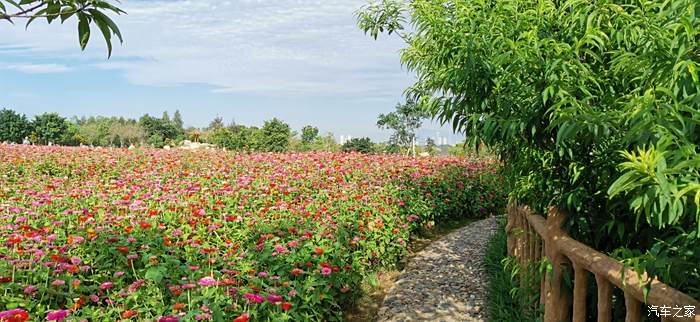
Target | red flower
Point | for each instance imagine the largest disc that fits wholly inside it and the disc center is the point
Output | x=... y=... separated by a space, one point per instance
x=286 y=306
x=243 y=318
x=318 y=251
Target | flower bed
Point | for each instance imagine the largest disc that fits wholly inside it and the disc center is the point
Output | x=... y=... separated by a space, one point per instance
x=180 y=235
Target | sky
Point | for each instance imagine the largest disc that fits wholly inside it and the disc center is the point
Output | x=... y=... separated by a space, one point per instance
x=303 y=61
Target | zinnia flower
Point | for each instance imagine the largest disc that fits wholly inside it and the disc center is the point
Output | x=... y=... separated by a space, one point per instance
x=58 y=315
x=15 y=315
x=106 y=285
x=207 y=281
x=326 y=271
x=274 y=298
x=243 y=318
x=169 y=319
x=254 y=298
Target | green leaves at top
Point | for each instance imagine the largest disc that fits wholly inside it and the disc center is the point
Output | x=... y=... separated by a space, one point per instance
x=87 y=11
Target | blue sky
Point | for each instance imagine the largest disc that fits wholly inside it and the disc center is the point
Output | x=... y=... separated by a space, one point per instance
x=303 y=61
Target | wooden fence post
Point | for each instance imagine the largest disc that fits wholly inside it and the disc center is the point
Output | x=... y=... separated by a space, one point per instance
x=557 y=298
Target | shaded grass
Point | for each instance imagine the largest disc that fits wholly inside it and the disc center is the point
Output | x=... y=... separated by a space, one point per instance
x=503 y=297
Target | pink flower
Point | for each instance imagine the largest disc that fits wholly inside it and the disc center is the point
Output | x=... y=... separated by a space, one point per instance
x=58 y=283
x=207 y=281
x=30 y=289
x=58 y=315
x=169 y=319
x=106 y=285
x=292 y=293
x=326 y=271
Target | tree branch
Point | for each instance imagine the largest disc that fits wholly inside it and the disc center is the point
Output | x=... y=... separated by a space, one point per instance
x=22 y=13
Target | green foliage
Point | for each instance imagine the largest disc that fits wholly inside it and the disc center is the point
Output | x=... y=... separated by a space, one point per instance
x=109 y=131
x=594 y=106
x=13 y=126
x=274 y=136
x=505 y=293
x=407 y=118
x=159 y=131
x=177 y=121
x=309 y=134
x=88 y=13
x=49 y=128
x=430 y=146
x=362 y=145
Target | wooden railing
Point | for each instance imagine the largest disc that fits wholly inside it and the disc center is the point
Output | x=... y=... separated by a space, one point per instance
x=530 y=237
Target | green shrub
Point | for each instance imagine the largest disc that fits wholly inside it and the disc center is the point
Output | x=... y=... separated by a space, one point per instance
x=593 y=106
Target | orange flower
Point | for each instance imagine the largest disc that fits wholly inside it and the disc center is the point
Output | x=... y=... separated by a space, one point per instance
x=178 y=306
x=129 y=313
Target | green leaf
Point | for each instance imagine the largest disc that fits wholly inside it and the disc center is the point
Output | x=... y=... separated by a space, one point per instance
x=52 y=11
x=83 y=30
x=154 y=274
x=109 y=23
x=104 y=28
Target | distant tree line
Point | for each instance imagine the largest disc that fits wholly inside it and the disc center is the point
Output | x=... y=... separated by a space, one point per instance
x=274 y=135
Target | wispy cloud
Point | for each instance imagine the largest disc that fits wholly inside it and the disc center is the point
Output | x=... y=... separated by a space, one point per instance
x=38 y=68
x=280 y=47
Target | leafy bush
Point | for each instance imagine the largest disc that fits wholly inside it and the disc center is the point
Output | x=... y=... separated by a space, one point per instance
x=593 y=106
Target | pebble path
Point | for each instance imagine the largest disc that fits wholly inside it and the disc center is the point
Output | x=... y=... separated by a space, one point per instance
x=444 y=282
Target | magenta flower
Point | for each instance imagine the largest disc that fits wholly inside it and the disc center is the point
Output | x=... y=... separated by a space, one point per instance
x=106 y=285
x=207 y=281
x=58 y=315
x=169 y=319
x=254 y=298
x=274 y=298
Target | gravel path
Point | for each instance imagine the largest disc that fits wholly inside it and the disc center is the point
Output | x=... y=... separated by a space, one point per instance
x=444 y=282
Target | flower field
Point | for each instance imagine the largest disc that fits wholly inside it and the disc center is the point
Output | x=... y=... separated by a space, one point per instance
x=155 y=235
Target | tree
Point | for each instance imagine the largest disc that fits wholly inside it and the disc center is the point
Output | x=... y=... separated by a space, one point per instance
x=160 y=128
x=309 y=134
x=13 y=126
x=362 y=145
x=404 y=122
x=49 y=128
x=592 y=106
x=274 y=136
x=88 y=13
x=177 y=121
x=216 y=123
x=430 y=146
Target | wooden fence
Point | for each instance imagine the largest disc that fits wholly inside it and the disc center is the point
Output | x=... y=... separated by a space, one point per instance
x=530 y=237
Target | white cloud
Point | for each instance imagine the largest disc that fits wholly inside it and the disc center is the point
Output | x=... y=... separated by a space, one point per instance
x=38 y=68
x=289 y=47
